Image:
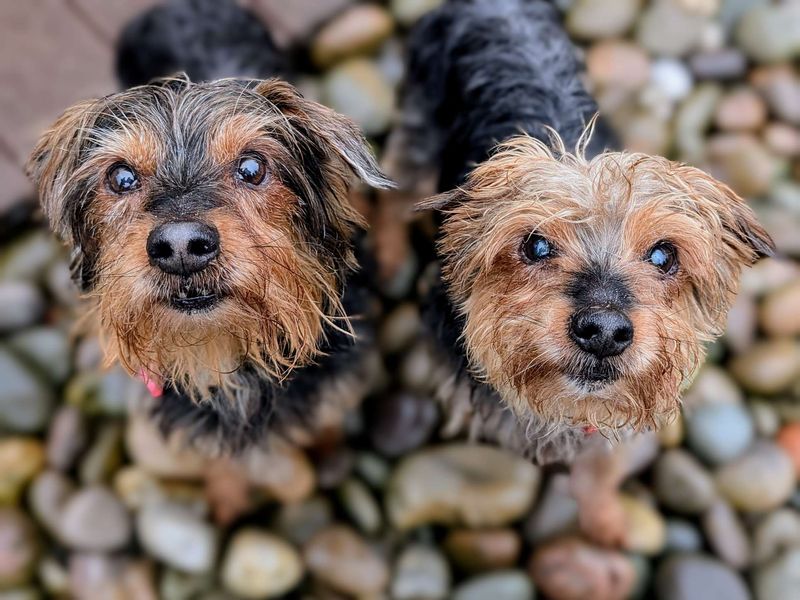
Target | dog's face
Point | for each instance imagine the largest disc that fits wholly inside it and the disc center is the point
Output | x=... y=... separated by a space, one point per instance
x=209 y=222
x=587 y=288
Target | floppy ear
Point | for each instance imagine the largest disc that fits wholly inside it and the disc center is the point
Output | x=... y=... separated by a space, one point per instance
x=319 y=124
x=443 y=201
x=51 y=167
x=741 y=231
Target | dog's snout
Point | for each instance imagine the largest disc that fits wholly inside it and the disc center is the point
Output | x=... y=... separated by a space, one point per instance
x=602 y=332
x=183 y=247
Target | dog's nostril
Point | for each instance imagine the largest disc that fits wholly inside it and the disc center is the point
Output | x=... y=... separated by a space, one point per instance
x=587 y=331
x=624 y=334
x=201 y=247
x=160 y=250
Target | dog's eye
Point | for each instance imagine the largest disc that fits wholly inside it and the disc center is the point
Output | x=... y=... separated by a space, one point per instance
x=122 y=178
x=536 y=248
x=664 y=256
x=251 y=169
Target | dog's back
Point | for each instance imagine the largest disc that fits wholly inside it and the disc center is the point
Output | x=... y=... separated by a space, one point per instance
x=484 y=70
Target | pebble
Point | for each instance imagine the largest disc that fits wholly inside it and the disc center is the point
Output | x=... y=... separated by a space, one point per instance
x=135 y=487
x=572 y=569
x=780 y=85
x=19 y=548
x=149 y=450
x=357 y=88
x=400 y=328
x=103 y=456
x=469 y=484
x=769 y=367
x=770 y=33
x=740 y=330
x=259 y=565
x=778 y=314
x=93 y=519
x=25 y=401
x=501 y=585
x=47 y=349
x=765 y=418
x=745 y=163
x=646 y=530
x=420 y=573
x=28 y=256
x=760 y=480
x=768 y=275
x=360 y=29
x=66 y=437
x=556 y=512
x=21 y=459
x=476 y=550
x=667 y=29
x=618 y=64
x=789 y=439
x=693 y=119
x=722 y=64
x=672 y=433
x=283 y=471
x=299 y=522
x=741 y=110
x=339 y=557
x=176 y=536
x=718 y=433
x=782 y=139
x=23 y=305
x=682 y=536
x=594 y=19
x=360 y=504
x=698 y=577
x=47 y=497
x=726 y=535
x=712 y=386
x=780 y=578
x=775 y=533
x=672 y=78
x=401 y=422
x=407 y=12
x=682 y=484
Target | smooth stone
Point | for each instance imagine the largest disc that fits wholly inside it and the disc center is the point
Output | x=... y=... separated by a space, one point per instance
x=19 y=548
x=770 y=33
x=174 y=535
x=359 y=90
x=54 y=577
x=646 y=531
x=470 y=484
x=775 y=533
x=556 y=512
x=780 y=578
x=162 y=458
x=502 y=585
x=58 y=280
x=780 y=85
x=782 y=139
x=407 y=12
x=682 y=536
x=647 y=133
x=175 y=585
x=360 y=29
x=618 y=64
x=672 y=77
x=741 y=110
x=722 y=64
x=769 y=367
x=66 y=437
x=693 y=119
x=666 y=28
x=572 y=569
x=299 y=522
x=765 y=418
x=768 y=275
x=698 y=577
x=260 y=565
x=136 y=487
x=341 y=558
x=373 y=469
x=727 y=535
x=682 y=484
x=671 y=434
x=23 y=305
x=718 y=433
x=740 y=330
x=745 y=163
x=104 y=456
x=47 y=496
x=94 y=519
x=779 y=315
x=362 y=507
x=400 y=328
x=27 y=257
x=282 y=470
x=47 y=348
x=789 y=439
x=21 y=459
x=595 y=19
x=25 y=401
x=477 y=550
x=760 y=480
x=401 y=422
x=712 y=386
x=420 y=573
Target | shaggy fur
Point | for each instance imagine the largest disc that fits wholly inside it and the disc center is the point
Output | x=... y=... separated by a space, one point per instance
x=281 y=323
x=483 y=72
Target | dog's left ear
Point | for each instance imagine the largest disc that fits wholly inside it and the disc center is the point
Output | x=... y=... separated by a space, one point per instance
x=741 y=231
x=316 y=123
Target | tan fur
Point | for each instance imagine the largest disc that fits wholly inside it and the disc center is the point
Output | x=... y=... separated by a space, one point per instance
x=609 y=210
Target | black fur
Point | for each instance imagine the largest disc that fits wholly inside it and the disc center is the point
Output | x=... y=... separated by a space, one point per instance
x=207 y=39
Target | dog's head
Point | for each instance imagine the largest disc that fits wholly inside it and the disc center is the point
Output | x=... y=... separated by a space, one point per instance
x=209 y=222
x=588 y=287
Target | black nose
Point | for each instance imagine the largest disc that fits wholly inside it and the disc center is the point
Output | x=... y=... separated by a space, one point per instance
x=601 y=331
x=182 y=248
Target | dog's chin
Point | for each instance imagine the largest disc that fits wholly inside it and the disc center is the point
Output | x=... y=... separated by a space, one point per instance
x=189 y=299
x=593 y=377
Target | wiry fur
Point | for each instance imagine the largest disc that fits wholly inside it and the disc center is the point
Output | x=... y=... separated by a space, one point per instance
x=286 y=246
x=483 y=72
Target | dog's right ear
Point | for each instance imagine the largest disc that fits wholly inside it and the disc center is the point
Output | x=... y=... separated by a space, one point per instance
x=52 y=167
x=442 y=202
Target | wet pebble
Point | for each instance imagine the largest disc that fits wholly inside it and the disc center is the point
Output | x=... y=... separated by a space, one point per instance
x=420 y=573
x=259 y=565
x=762 y=479
x=461 y=483
x=718 y=433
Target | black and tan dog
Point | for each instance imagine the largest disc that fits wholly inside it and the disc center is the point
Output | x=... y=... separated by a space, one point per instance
x=210 y=226
x=577 y=286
